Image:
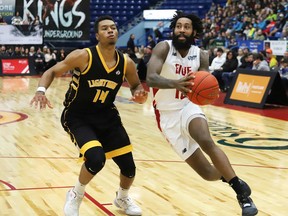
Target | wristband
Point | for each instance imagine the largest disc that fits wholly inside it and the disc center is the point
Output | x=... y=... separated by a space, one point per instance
x=41 y=89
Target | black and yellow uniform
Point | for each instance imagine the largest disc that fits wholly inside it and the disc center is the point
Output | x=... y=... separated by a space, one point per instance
x=90 y=116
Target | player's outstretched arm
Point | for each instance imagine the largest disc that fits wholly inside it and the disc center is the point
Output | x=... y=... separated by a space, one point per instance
x=76 y=59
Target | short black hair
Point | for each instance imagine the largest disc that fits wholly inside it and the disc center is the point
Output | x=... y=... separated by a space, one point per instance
x=219 y=49
x=196 y=22
x=258 y=56
x=101 y=18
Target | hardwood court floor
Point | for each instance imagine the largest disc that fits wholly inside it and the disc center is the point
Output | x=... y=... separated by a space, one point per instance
x=38 y=162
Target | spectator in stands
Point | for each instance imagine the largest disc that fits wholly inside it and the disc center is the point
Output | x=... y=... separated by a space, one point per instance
x=50 y=58
x=10 y=51
x=17 y=19
x=228 y=67
x=263 y=53
x=39 y=61
x=2 y=20
x=62 y=55
x=35 y=24
x=25 y=51
x=259 y=63
x=3 y=51
x=250 y=31
x=240 y=54
x=271 y=59
x=247 y=31
x=142 y=64
x=259 y=35
x=56 y=53
x=139 y=52
x=132 y=54
x=36 y=21
x=213 y=7
x=158 y=35
x=232 y=43
x=151 y=43
x=45 y=49
x=17 y=52
x=283 y=71
x=246 y=50
x=32 y=51
x=284 y=33
x=218 y=61
x=278 y=27
x=246 y=61
x=131 y=44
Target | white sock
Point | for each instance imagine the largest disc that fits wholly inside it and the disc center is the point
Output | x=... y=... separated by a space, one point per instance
x=79 y=188
x=122 y=192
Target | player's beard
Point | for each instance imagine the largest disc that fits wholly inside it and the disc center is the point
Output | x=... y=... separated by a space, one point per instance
x=182 y=45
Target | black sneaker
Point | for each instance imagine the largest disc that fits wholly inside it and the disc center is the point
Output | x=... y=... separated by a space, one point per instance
x=247 y=205
x=246 y=190
x=245 y=202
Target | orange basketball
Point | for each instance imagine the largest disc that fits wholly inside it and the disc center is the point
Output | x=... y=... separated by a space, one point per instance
x=205 y=89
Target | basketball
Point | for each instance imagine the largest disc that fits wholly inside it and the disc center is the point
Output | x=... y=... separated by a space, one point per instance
x=205 y=89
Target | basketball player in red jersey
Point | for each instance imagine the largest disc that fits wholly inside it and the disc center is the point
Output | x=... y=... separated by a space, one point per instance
x=183 y=123
x=90 y=116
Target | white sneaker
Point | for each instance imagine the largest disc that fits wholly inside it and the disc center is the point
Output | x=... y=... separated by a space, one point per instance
x=128 y=205
x=72 y=204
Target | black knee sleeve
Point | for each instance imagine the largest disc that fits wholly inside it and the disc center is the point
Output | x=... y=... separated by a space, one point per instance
x=95 y=160
x=126 y=164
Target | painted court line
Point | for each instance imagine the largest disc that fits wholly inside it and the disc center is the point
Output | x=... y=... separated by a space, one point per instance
x=89 y=197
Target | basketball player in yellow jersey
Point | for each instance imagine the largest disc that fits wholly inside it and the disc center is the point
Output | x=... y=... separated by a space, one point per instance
x=90 y=116
x=183 y=123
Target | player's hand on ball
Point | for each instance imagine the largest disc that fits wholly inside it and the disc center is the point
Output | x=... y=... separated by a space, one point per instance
x=185 y=83
x=40 y=100
x=140 y=96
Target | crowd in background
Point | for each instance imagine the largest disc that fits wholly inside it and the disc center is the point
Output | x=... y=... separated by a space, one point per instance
x=245 y=20
x=18 y=20
x=43 y=56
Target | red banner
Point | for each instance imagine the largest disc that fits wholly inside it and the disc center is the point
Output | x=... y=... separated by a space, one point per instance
x=15 y=66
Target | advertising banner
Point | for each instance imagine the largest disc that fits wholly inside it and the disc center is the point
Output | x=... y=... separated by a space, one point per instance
x=249 y=87
x=278 y=47
x=253 y=88
x=21 y=34
x=7 y=9
x=63 y=20
x=253 y=45
x=15 y=66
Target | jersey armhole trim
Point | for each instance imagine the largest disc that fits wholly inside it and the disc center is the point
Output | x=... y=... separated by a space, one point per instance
x=89 y=61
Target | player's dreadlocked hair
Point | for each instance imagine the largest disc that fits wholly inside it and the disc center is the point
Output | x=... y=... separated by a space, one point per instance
x=196 y=22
